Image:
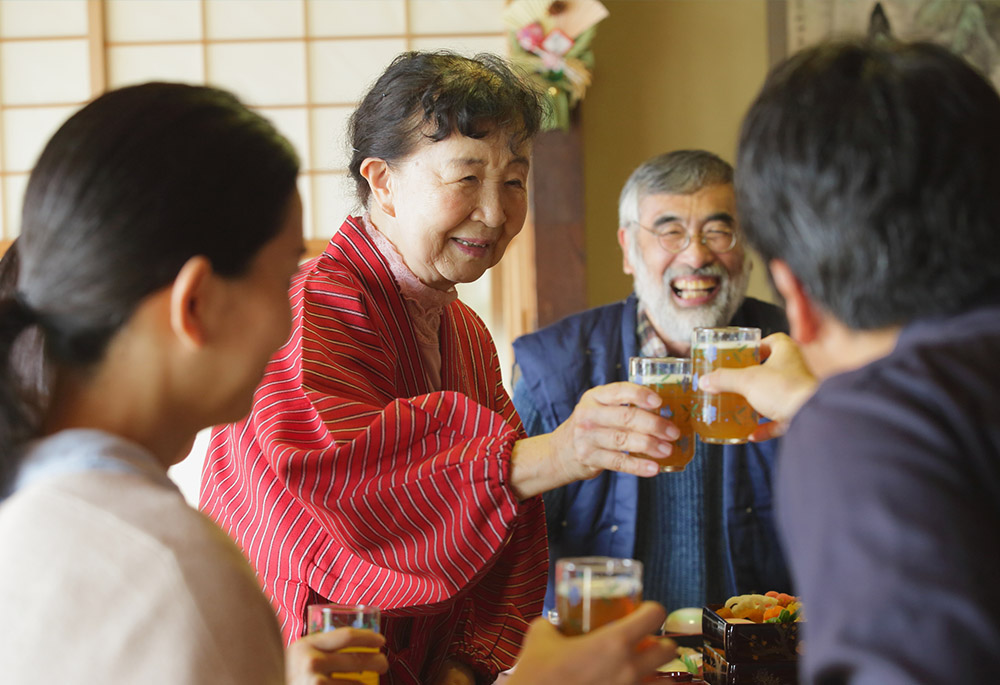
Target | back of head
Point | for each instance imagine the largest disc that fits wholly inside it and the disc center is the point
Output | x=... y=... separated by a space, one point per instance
x=129 y=189
x=431 y=95
x=680 y=172
x=871 y=170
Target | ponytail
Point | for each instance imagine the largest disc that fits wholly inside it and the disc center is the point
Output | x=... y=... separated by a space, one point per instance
x=21 y=363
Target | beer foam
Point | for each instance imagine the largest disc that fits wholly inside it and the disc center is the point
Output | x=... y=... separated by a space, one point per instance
x=727 y=344
x=602 y=587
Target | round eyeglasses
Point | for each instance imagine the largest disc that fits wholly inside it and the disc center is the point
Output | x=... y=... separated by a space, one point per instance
x=672 y=238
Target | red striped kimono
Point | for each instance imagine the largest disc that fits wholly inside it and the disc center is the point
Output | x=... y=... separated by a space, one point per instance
x=351 y=482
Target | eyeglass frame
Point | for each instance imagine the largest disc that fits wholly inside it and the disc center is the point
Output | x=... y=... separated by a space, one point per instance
x=703 y=239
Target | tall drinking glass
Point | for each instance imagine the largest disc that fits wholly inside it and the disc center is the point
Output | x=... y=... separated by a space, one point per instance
x=592 y=591
x=725 y=418
x=670 y=378
x=323 y=617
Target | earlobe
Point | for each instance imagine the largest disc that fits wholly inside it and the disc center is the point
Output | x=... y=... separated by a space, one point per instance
x=188 y=301
x=379 y=176
x=804 y=316
x=623 y=242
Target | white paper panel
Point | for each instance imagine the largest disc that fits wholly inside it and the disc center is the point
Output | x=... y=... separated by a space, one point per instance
x=132 y=64
x=14 y=186
x=260 y=73
x=342 y=71
x=356 y=17
x=149 y=20
x=254 y=19
x=37 y=18
x=50 y=71
x=294 y=125
x=456 y=16
x=464 y=46
x=26 y=131
x=330 y=144
x=335 y=200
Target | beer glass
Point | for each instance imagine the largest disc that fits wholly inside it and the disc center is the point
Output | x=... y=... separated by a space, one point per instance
x=592 y=591
x=725 y=418
x=670 y=378
x=323 y=617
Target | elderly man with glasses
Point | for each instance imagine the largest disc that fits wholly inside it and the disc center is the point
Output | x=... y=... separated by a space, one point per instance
x=704 y=533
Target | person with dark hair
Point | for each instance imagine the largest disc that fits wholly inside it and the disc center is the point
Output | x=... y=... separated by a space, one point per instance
x=705 y=533
x=160 y=227
x=383 y=462
x=876 y=207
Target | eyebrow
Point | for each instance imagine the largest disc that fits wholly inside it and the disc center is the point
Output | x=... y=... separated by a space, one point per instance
x=473 y=161
x=724 y=217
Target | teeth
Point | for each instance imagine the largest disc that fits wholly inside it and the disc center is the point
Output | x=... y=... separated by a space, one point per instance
x=690 y=294
x=695 y=284
x=470 y=243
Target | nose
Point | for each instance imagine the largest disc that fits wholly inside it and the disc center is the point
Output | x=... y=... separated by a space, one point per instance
x=695 y=255
x=490 y=209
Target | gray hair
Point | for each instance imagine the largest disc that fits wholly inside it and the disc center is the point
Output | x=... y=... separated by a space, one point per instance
x=681 y=172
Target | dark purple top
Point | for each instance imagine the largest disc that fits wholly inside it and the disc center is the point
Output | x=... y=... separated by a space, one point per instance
x=890 y=511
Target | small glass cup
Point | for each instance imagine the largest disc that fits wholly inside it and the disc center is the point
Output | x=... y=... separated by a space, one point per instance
x=670 y=378
x=323 y=617
x=592 y=591
x=725 y=418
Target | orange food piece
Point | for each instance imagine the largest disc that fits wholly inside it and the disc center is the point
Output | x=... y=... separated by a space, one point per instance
x=755 y=615
x=772 y=593
x=773 y=612
x=724 y=612
x=784 y=600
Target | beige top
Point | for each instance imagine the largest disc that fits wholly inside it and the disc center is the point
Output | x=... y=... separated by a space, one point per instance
x=107 y=576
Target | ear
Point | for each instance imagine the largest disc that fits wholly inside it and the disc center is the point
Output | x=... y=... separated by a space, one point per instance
x=379 y=176
x=805 y=318
x=189 y=301
x=623 y=238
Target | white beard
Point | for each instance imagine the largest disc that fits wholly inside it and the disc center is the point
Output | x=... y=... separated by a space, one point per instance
x=678 y=323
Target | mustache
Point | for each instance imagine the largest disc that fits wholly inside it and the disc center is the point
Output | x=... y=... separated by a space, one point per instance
x=715 y=270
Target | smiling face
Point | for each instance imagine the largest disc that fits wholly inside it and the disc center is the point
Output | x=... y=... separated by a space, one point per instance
x=694 y=287
x=452 y=207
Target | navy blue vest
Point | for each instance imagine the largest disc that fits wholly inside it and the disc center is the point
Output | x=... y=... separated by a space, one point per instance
x=598 y=517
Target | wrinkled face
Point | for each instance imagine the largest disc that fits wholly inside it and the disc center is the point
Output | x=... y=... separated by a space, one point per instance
x=458 y=203
x=694 y=287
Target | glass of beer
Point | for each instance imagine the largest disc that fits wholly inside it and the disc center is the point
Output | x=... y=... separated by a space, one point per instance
x=592 y=591
x=323 y=617
x=670 y=378
x=725 y=418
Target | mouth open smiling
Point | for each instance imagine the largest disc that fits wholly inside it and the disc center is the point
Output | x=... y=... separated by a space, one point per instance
x=693 y=291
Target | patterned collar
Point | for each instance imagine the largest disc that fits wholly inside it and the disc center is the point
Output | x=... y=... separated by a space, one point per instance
x=649 y=342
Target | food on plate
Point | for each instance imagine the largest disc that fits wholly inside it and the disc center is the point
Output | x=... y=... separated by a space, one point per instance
x=686 y=621
x=771 y=607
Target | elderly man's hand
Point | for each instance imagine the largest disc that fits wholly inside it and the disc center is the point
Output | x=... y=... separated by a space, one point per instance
x=776 y=388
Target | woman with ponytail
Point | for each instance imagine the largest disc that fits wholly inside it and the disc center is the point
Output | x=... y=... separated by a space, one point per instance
x=141 y=302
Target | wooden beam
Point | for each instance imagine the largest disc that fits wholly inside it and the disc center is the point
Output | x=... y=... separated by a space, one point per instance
x=558 y=210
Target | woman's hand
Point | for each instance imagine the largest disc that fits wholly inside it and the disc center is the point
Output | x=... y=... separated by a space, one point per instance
x=776 y=388
x=315 y=659
x=620 y=652
x=609 y=426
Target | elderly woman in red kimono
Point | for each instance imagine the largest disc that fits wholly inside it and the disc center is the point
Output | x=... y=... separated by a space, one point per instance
x=383 y=462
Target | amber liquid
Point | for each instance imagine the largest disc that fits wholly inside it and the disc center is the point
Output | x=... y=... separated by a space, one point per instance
x=366 y=677
x=581 y=611
x=678 y=400
x=725 y=418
